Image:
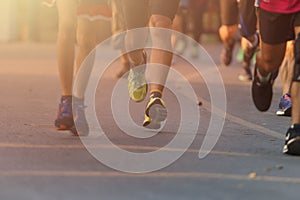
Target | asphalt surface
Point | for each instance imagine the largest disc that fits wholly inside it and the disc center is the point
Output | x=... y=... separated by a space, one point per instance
x=39 y=163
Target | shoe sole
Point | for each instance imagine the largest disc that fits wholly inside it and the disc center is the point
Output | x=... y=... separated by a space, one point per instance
x=62 y=128
x=284 y=113
x=153 y=125
x=244 y=78
x=157 y=113
x=262 y=103
x=293 y=147
x=143 y=96
x=65 y=128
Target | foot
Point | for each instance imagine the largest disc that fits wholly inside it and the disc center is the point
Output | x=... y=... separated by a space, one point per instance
x=292 y=141
x=250 y=51
x=137 y=85
x=155 y=113
x=226 y=55
x=262 y=91
x=80 y=127
x=285 y=106
x=64 y=120
x=246 y=75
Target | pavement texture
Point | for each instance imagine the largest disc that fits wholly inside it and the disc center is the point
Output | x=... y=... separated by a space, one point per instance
x=39 y=163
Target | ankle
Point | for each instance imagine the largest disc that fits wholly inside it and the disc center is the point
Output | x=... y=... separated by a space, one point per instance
x=263 y=77
x=253 y=42
x=155 y=94
x=66 y=99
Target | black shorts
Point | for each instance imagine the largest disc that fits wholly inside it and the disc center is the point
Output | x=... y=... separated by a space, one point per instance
x=166 y=8
x=248 y=18
x=229 y=12
x=277 y=28
x=137 y=12
x=243 y=12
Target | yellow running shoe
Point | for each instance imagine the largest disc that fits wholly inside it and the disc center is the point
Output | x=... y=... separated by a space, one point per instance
x=137 y=85
x=155 y=113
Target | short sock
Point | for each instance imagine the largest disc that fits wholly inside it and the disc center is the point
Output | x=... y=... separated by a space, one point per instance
x=263 y=79
x=155 y=94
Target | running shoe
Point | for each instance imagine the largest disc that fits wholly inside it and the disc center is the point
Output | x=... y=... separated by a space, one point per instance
x=262 y=93
x=285 y=106
x=292 y=141
x=80 y=127
x=226 y=55
x=155 y=113
x=64 y=120
x=246 y=75
x=137 y=85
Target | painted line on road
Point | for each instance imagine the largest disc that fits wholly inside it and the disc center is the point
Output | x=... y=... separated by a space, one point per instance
x=126 y=147
x=255 y=127
x=107 y=174
x=207 y=106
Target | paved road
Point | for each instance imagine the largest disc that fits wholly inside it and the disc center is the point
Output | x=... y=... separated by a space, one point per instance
x=37 y=162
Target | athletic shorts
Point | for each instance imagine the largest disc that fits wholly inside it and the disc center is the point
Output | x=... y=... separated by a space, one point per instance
x=137 y=12
x=243 y=12
x=248 y=19
x=277 y=28
x=229 y=12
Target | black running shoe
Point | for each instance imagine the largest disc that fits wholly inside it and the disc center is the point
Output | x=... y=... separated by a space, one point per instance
x=226 y=55
x=292 y=140
x=64 y=120
x=262 y=93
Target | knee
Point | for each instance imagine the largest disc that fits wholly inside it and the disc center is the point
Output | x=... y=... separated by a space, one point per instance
x=270 y=62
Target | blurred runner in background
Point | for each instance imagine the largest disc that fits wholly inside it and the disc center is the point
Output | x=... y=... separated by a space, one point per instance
x=78 y=21
x=234 y=12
